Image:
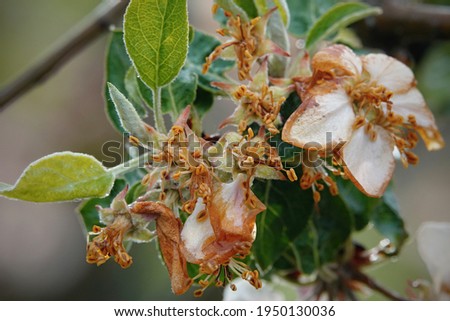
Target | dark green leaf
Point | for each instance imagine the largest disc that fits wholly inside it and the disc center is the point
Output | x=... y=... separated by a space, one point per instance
x=248 y=6
x=135 y=191
x=204 y=100
x=337 y=17
x=88 y=211
x=200 y=48
x=305 y=12
x=359 y=204
x=179 y=93
x=288 y=211
x=387 y=220
x=334 y=224
x=117 y=65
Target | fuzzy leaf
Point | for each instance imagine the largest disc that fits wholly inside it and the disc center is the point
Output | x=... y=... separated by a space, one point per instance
x=59 y=177
x=129 y=118
x=88 y=211
x=117 y=65
x=337 y=17
x=156 y=37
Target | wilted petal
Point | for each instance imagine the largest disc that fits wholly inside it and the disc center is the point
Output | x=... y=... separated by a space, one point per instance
x=370 y=164
x=389 y=72
x=233 y=212
x=433 y=239
x=339 y=59
x=168 y=229
x=331 y=114
x=412 y=103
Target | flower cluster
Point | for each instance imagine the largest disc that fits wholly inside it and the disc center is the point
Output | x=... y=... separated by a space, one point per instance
x=218 y=209
x=356 y=111
x=370 y=105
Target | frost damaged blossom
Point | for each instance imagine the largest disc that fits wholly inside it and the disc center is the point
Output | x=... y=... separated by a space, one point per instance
x=220 y=232
x=371 y=104
x=122 y=224
x=248 y=38
x=257 y=102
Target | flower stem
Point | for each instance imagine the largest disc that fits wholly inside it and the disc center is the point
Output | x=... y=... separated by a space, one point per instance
x=129 y=166
x=159 y=119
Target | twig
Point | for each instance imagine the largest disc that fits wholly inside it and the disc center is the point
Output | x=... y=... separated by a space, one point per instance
x=81 y=35
x=413 y=17
x=358 y=276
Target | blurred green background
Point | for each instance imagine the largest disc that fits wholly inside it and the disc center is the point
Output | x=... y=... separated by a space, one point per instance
x=42 y=247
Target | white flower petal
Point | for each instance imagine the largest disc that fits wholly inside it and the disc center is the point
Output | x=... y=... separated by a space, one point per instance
x=195 y=233
x=339 y=59
x=412 y=103
x=331 y=114
x=433 y=241
x=370 y=164
x=389 y=72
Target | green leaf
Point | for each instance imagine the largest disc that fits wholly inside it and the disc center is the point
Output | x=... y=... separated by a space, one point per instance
x=175 y=96
x=179 y=93
x=200 y=48
x=233 y=7
x=117 y=65
x=265 y=5
x=305 y=12
x=387 y=220
x=204 y=100
x=276 y=31
x=360 y=205
x=288 y=211
x=156 y=37
x=248 y=6
x=334 y=224
x=62 y=176
x=129 y=118
x=133 y=93
x=337 y=17
x=88 y=211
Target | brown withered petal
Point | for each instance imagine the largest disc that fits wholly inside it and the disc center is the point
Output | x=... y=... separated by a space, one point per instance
x=168 y=229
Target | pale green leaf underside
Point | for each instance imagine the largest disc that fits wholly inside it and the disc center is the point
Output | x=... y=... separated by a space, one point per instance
x=156 y=36
x=64 y=176
x=337 y=17
x=129 y=118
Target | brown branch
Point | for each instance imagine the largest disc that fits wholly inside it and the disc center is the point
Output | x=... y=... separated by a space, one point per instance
x=413 y=17
x=78 y=38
